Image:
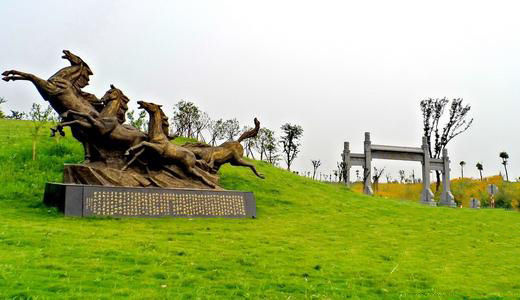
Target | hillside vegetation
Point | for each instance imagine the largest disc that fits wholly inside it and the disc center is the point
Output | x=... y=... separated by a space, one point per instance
x=463 y=189
x=310 y=240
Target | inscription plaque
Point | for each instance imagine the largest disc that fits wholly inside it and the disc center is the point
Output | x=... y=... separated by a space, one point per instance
x=88 y=200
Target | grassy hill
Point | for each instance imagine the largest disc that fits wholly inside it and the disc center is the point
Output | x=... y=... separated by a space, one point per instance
x=310 y=240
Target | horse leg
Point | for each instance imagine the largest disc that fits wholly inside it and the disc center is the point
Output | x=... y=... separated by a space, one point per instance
x=43 y=86
x=133 y=159
x=242 y=163
x=78 y=122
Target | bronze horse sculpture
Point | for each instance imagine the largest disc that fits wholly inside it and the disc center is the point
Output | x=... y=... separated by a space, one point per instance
x=160 y=144
x=99 y=125
x=229 y=152
x=63 y=91
x=109 y=123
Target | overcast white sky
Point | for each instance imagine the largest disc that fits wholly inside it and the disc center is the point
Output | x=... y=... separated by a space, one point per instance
x=338 y=68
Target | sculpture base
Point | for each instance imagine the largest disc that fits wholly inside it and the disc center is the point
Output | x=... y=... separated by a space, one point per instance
x=98 y=173
x=89 y=200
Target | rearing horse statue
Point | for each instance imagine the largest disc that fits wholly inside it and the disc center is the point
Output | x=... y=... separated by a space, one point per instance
x=108 y=125
x=63 y=91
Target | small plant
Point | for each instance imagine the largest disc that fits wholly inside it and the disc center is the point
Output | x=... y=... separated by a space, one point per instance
x=2 y=115
x=39 y=118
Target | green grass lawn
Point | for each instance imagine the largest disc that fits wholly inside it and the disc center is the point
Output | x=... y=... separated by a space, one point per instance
x=310 y=240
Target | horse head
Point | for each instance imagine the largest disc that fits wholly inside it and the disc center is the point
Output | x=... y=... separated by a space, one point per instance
x=77 y=73
x=153 y=109
x=116 y=104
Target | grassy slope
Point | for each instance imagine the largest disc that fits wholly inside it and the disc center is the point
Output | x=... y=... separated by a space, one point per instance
x=310 y=240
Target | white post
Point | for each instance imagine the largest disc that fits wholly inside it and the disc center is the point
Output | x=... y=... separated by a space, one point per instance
x=367 y=183
x=346 y=162
x=427 y=194
x=447 y=198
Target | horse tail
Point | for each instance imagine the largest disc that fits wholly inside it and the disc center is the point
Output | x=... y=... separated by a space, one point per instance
x=250 y=133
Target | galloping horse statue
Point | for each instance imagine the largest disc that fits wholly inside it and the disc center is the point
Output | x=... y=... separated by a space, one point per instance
x=63 y=92
x=99 y=125
x=166 y=151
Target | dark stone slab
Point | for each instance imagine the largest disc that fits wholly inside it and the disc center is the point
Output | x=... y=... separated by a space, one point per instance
x=90 y=200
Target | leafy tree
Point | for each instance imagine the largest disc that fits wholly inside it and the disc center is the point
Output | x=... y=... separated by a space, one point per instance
x=140 y=122
x=231 y=129
x=504 y=156
x=200 y=124
x=462 y=164
x=315 y=165
x=39 y=117
x=216 y=131
x=271 y=153
x=290 y=141
x=185 y=116
x=480 y=167
x=439 y=136
x=265 y=137
x=2 y=115
x=17 y=115
x=249 y=143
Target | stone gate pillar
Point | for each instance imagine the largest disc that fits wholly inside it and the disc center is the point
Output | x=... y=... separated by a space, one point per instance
x=427 y=194
x=447 y=198
x=367 y=176
x=346 y=163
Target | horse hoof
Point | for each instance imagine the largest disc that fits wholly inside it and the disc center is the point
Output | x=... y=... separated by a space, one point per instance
x=127 y=152
x=6 y=73
x=5 y=78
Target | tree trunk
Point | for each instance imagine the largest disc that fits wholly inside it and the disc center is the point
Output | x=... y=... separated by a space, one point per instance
x=480 y=175
x=507 y=176
x=438 y=184
x=34 y=149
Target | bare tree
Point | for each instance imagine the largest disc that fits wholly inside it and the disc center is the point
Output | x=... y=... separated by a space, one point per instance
x=377 y=175
x=402 y=175
x=388 y=177
x=290 y=141
x=315 y=165
x=480 y=167
x=342 y=175
x=439 y=136
x=504 y=156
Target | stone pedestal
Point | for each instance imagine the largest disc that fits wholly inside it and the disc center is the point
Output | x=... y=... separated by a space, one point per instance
x=90 y=200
